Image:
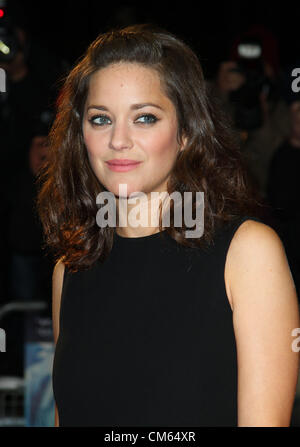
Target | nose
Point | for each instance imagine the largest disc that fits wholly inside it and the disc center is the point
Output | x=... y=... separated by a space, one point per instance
x=120 y=137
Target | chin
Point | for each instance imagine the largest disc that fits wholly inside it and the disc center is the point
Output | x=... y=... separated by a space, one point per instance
x=125 y=191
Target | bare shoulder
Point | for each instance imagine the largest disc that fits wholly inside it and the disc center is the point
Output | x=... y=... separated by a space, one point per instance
x=265 y=314
x=252 y=232
x=57 y=284
x=255 y=247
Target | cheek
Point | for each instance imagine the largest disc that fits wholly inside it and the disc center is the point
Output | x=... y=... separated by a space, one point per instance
x=163 y=145
x=90 y=141
x=94 y=143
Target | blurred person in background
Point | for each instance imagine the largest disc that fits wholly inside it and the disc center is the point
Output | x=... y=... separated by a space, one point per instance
x=29 y=269
x=31 y=76
x=248 y=86
x=283 y=191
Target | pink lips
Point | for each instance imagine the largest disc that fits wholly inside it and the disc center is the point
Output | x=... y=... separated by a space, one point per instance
x=122 y=165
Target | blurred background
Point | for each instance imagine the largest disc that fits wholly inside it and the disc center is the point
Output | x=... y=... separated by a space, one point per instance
x=248 y=51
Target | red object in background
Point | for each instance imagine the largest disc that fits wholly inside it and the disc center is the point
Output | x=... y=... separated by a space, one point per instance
x=1 y=13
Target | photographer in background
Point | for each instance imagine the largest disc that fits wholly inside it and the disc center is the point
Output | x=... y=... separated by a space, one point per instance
x=249 y=88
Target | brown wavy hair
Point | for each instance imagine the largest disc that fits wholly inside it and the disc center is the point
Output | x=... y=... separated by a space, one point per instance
x=211 y=161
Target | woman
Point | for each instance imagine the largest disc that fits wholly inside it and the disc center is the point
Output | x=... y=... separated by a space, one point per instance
x=151 y=327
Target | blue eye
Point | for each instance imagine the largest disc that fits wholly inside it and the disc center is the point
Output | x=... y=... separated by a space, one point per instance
x=102 y=119
x=150 y=119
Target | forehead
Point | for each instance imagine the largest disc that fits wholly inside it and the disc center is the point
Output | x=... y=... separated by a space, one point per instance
x=126 y=78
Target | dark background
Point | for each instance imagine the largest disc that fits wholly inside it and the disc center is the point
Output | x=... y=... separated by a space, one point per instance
x=66 y=27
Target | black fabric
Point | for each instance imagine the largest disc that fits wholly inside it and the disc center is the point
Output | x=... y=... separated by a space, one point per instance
x=147 y=339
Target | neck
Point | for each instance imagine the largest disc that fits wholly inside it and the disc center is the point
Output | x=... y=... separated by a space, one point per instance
x=139 y=216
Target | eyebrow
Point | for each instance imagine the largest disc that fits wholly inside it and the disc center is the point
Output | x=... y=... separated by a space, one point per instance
x=132 y=107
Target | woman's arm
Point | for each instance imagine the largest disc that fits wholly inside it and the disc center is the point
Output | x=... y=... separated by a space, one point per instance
x=265 y=311
x=57 y=283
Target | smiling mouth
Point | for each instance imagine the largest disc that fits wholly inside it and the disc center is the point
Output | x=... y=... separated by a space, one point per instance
x=123 y=166
x=122 y=162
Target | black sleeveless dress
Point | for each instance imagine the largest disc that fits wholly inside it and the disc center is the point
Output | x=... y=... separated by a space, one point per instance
x=146 y=338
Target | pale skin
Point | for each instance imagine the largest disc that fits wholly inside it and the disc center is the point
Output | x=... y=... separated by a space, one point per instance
x=259 y=285
x=118 y=124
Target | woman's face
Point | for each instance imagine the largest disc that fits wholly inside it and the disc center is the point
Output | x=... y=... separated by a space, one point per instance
x=120 y=124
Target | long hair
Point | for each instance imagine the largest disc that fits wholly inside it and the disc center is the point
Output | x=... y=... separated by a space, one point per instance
x=211 y=161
